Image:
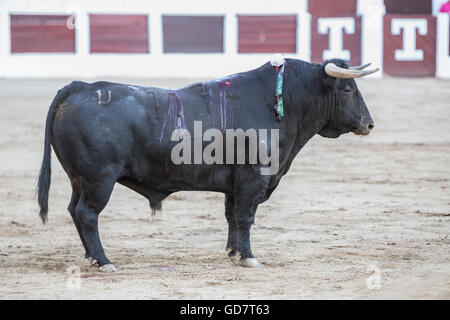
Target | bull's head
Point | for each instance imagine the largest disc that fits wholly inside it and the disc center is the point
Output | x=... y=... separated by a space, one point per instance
x=347 y=111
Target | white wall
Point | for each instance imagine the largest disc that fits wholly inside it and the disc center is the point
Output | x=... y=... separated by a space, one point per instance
x=442 y=46
x=442 y=39
x=436 y=5
x=372 y=12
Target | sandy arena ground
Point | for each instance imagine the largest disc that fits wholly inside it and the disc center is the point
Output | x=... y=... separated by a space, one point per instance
x=352 y=215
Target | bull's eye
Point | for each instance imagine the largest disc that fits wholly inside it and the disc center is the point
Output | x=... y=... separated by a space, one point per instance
x=347 y=89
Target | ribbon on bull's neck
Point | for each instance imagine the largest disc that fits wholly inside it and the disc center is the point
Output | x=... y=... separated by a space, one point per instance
x=278 y=62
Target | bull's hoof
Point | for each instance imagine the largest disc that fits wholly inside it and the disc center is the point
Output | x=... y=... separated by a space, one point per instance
x=107 y=268
x=250 y=262
x=233 y=255
x=234 y=258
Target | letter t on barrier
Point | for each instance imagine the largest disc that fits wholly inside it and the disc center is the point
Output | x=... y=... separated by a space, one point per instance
x=409 y=52
x=336 y=27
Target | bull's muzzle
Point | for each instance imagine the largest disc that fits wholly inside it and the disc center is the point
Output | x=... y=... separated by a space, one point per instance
x=364 y=128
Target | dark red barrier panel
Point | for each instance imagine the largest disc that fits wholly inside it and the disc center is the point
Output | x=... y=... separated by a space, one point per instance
x=408 y=6
x=192 y=34
x=409 y=45
x=267 y=34
x=332 y=8
x=42 y=33
x=339 y=32
x=118 y=33
x=346 y=38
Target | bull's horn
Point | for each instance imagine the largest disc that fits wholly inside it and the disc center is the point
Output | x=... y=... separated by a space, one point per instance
x=334 y=71
x=363 y=66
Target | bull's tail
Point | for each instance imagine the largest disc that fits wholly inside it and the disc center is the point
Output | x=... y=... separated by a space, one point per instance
x=43 y=185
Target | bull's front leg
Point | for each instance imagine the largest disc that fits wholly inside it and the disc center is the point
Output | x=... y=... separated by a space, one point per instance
x=245 y=217
x=250 y=189
x=231 y=248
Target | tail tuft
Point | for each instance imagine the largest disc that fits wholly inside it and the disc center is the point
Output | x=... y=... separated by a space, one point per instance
x=155 y=206
x=44 y=185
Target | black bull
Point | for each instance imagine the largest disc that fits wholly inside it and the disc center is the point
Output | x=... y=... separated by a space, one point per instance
x=103 y=133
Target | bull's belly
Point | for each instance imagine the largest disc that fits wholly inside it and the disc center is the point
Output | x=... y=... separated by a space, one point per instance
x=169 y=177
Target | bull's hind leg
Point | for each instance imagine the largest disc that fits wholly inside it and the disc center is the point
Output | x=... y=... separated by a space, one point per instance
x=76 y=193
x=232 y=228
x=93 y=199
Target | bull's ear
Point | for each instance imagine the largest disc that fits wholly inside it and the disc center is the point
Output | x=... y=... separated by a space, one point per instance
x=327 y=82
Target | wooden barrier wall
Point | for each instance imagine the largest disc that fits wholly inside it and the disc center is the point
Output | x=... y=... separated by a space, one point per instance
x=408 y=32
